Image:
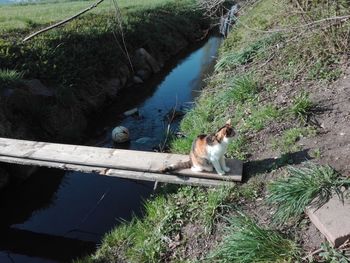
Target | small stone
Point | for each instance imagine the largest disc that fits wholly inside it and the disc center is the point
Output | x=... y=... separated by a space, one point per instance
x=137 y=80
x=37 y=88
x=342 y=134
x=145 y=140
x=143 y=74
x=131 y=112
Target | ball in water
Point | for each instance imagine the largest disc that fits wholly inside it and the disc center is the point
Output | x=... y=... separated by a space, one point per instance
x=120 y=134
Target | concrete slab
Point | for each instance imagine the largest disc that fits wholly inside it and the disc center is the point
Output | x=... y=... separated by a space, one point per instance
x=333 y=220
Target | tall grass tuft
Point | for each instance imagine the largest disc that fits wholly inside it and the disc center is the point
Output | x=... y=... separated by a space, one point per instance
x=247 y=242
x=10 y=78
x=302 y=106
x=243 y=88
x=313 y=186
x=231 y=60
x=215 y=200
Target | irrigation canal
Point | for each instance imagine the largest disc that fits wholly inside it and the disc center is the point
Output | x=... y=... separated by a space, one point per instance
x=62 y=216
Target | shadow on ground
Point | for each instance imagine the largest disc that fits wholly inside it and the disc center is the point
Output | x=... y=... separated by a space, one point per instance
x=253 y=168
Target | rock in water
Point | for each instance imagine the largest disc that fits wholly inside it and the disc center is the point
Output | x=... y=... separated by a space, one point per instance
x=120 y=134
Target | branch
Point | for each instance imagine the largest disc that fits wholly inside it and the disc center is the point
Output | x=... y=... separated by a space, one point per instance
x=62 y=22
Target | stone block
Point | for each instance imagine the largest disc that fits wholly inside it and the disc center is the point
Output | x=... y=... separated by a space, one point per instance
x=333 y=220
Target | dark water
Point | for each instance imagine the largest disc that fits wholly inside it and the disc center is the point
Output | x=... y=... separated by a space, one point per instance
x=56 y=216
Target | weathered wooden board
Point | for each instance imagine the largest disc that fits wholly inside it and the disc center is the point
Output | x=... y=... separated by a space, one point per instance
x=97 y=159
x=133 y=175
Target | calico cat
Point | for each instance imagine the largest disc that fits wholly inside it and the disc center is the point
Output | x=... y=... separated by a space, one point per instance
x=208 y=152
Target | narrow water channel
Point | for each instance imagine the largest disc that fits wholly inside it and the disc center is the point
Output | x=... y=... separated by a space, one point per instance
x=56 y=216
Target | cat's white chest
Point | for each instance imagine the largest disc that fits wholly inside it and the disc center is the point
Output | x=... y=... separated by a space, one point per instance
x=218 y=150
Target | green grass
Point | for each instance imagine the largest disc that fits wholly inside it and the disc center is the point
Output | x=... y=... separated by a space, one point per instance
x=53 y=56
x=261 y=115
x=260 y=16
x=147 y=239
x=231 y=60
x=308 y=186
x=247 y=242
x=10 y=78
x=258 y=116
x=238 y=148
x=140 y=240
x=324 y=70
x=23 y=16
x=242 y=89
x=250 y=190
x=288 y=141
x=301 y=106
x=216 y=200
x=333 y=255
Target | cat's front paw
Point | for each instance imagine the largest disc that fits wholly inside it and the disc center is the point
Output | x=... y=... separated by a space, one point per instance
x=226 y=169
x=196 y=169
x=221 y=173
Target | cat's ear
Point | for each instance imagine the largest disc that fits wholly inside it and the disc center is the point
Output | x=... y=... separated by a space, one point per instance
x=228 y=122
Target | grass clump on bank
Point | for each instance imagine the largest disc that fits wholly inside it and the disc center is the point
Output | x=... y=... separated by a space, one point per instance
x=247 y=242
x=301 y=106
x=309 y=186
x=10 y=78
x=243 y=89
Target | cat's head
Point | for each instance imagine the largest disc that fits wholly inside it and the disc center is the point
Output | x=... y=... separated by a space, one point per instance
x=226 y=132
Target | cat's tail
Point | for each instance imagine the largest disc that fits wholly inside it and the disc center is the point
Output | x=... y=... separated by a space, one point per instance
x=178 y=166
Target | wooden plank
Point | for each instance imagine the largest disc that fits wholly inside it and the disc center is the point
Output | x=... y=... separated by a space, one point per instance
x=166 y=178
x=69 y=167
x=133 y=175
x=99 y=157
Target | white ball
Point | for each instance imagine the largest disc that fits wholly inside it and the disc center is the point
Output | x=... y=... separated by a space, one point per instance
x=120 y=134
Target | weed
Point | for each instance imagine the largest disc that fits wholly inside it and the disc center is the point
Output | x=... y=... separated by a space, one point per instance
x=247 y=242
x=316 y=153
x=10 y=78
x=332 y=255
x=302 y=106
x=309 y=186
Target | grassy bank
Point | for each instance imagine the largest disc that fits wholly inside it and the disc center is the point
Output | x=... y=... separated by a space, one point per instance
x=23 y=16
x=272 y=74
x=73 y=53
